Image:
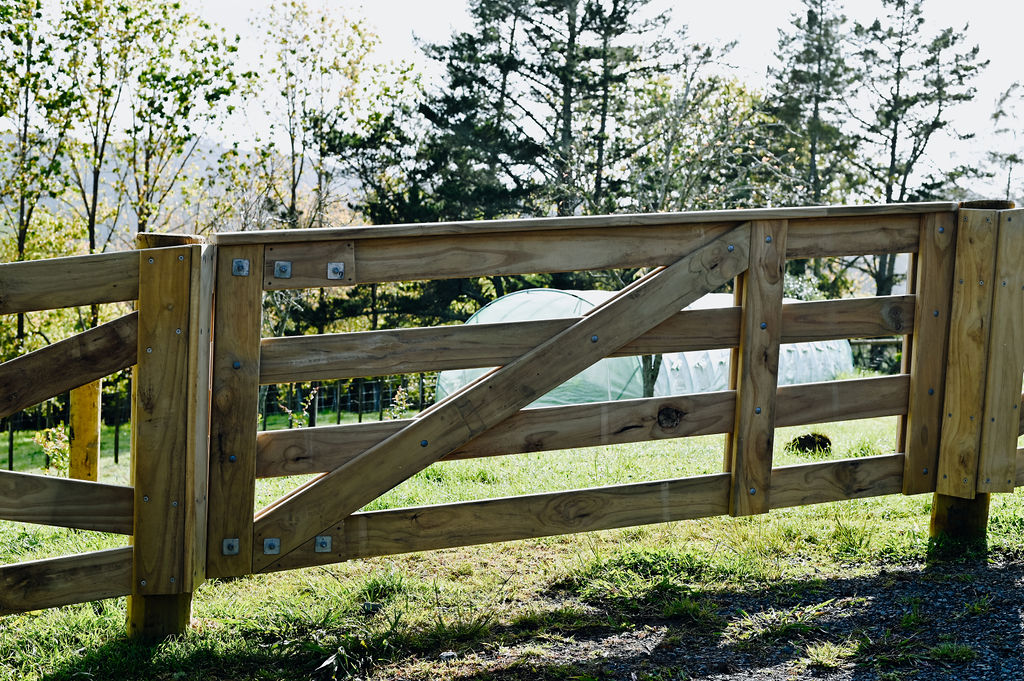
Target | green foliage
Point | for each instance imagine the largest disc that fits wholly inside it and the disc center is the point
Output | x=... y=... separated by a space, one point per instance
x=57 y=448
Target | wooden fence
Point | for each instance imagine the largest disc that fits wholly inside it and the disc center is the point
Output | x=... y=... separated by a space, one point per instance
x=196 y=452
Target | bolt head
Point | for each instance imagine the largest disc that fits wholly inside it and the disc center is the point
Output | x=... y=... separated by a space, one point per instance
x=142 y=582
x=151 y=261
x=232 y=458
x=181 y=258
x=757 y=410
x=423 y=443
x=730 y=248
x=145 y=498
x=236 y=364
x=753 y=490
x=764 y=325
x=767 y=239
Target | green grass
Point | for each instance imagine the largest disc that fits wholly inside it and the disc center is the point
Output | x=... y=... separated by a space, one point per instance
x=534 y=593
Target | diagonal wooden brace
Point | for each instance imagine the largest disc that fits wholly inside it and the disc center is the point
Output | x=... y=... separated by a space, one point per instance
x=295 y=520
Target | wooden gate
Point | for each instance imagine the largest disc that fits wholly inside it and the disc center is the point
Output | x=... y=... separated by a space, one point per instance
x=962 y=320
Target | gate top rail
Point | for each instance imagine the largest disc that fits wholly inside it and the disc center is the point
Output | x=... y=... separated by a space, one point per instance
x=576 y=222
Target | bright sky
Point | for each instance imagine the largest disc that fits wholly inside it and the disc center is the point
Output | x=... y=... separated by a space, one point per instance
x=994 y=24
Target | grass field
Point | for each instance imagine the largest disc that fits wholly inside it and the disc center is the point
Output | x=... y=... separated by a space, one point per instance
x=393 y=617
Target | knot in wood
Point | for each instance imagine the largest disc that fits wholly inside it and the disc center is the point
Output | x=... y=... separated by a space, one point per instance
x=670 y=417
x=895 y=315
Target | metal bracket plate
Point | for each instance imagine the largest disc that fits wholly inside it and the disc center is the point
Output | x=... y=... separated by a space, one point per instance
x=283 y=269
x=272 y=546
x=322 y=544
x=229 y=547
x=335 y=270
x=240 y=267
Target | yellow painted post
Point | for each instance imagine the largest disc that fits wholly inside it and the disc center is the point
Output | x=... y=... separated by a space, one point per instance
x=84 y=437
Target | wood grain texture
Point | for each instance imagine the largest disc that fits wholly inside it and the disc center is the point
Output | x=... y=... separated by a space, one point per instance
x=394 y=351
x=378 y=533
x=160 y=419
x=925 y=352
x=44 y=500
x=618 y=221
x=821 y=238
x=197 y=470
x=67 y=364
x=757 y=369
x=68 y=282
x=319 y=450
x=476 y=408
x=234 y=405
x=308 y=265
x=997 y=463
x=964 y=397
x=806 y=484
x=84 y=433
x=52 y=582
x=487 y=252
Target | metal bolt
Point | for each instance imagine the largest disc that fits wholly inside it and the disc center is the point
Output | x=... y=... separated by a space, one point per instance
x=757 y=410
x=322 y=544
x=232 y=458
x=177 y=331
x=764 y=325
x=236 y=364
x=149 y=350
x=965 y=481
x=229 y=547
x=993 y=419
x=931 y=391
x=924 y=472
x=972 y=418
x=593 y=339
x=181 y=258
x=151 y=261
x=272 y=546
x=174 y=504
x=145 y=498
x=1004 y=283
x=142 y=582
x=944 y=476
x=283 y=269
x=950 y=415
x=240 y=267
x=941 y=230
x=981 y=282
x=753 y=490
x=935 y=313
x=423 y=443
x=172 y=580
x=730 y=248
x=767 y=239
x=987 y=481
x=335 y=270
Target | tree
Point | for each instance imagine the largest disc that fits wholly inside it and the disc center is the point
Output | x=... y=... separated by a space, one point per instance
x=181 y=87
x=808 y=93
x=34 y=118
x=910 y=83
x=1006 y=122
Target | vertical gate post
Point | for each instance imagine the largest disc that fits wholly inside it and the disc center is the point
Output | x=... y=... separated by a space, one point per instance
x=977 y=451
x=170 y=446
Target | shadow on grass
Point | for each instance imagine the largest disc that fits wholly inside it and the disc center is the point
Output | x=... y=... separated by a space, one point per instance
x=944 y=620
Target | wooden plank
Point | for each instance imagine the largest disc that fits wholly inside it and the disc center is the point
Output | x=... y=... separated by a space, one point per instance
x=379 y=533
x=487 y=254
x=757 y=369
x=159 y=419
x=309 y=266
x=234 y=411
x=84 y=435
x=820 y=238
x=806 y=484
x=925 y=351
x=318 y=450
x=473 y=410
x=68 y=282
x=67 y=364
x=44 y=500
x=197 y=471
x=619 y=221
x=997 y=463
x=968 y=347
x=484 y=252
x=394 y=351
x=52 y=582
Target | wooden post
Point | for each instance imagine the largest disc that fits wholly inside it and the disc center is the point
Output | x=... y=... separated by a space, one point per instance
x=234 y=410
x=983 y=373
x=84 y=437
x=756 y=369
x=169 y=434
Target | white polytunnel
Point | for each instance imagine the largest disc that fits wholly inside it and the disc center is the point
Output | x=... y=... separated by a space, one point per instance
x=621 y=378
